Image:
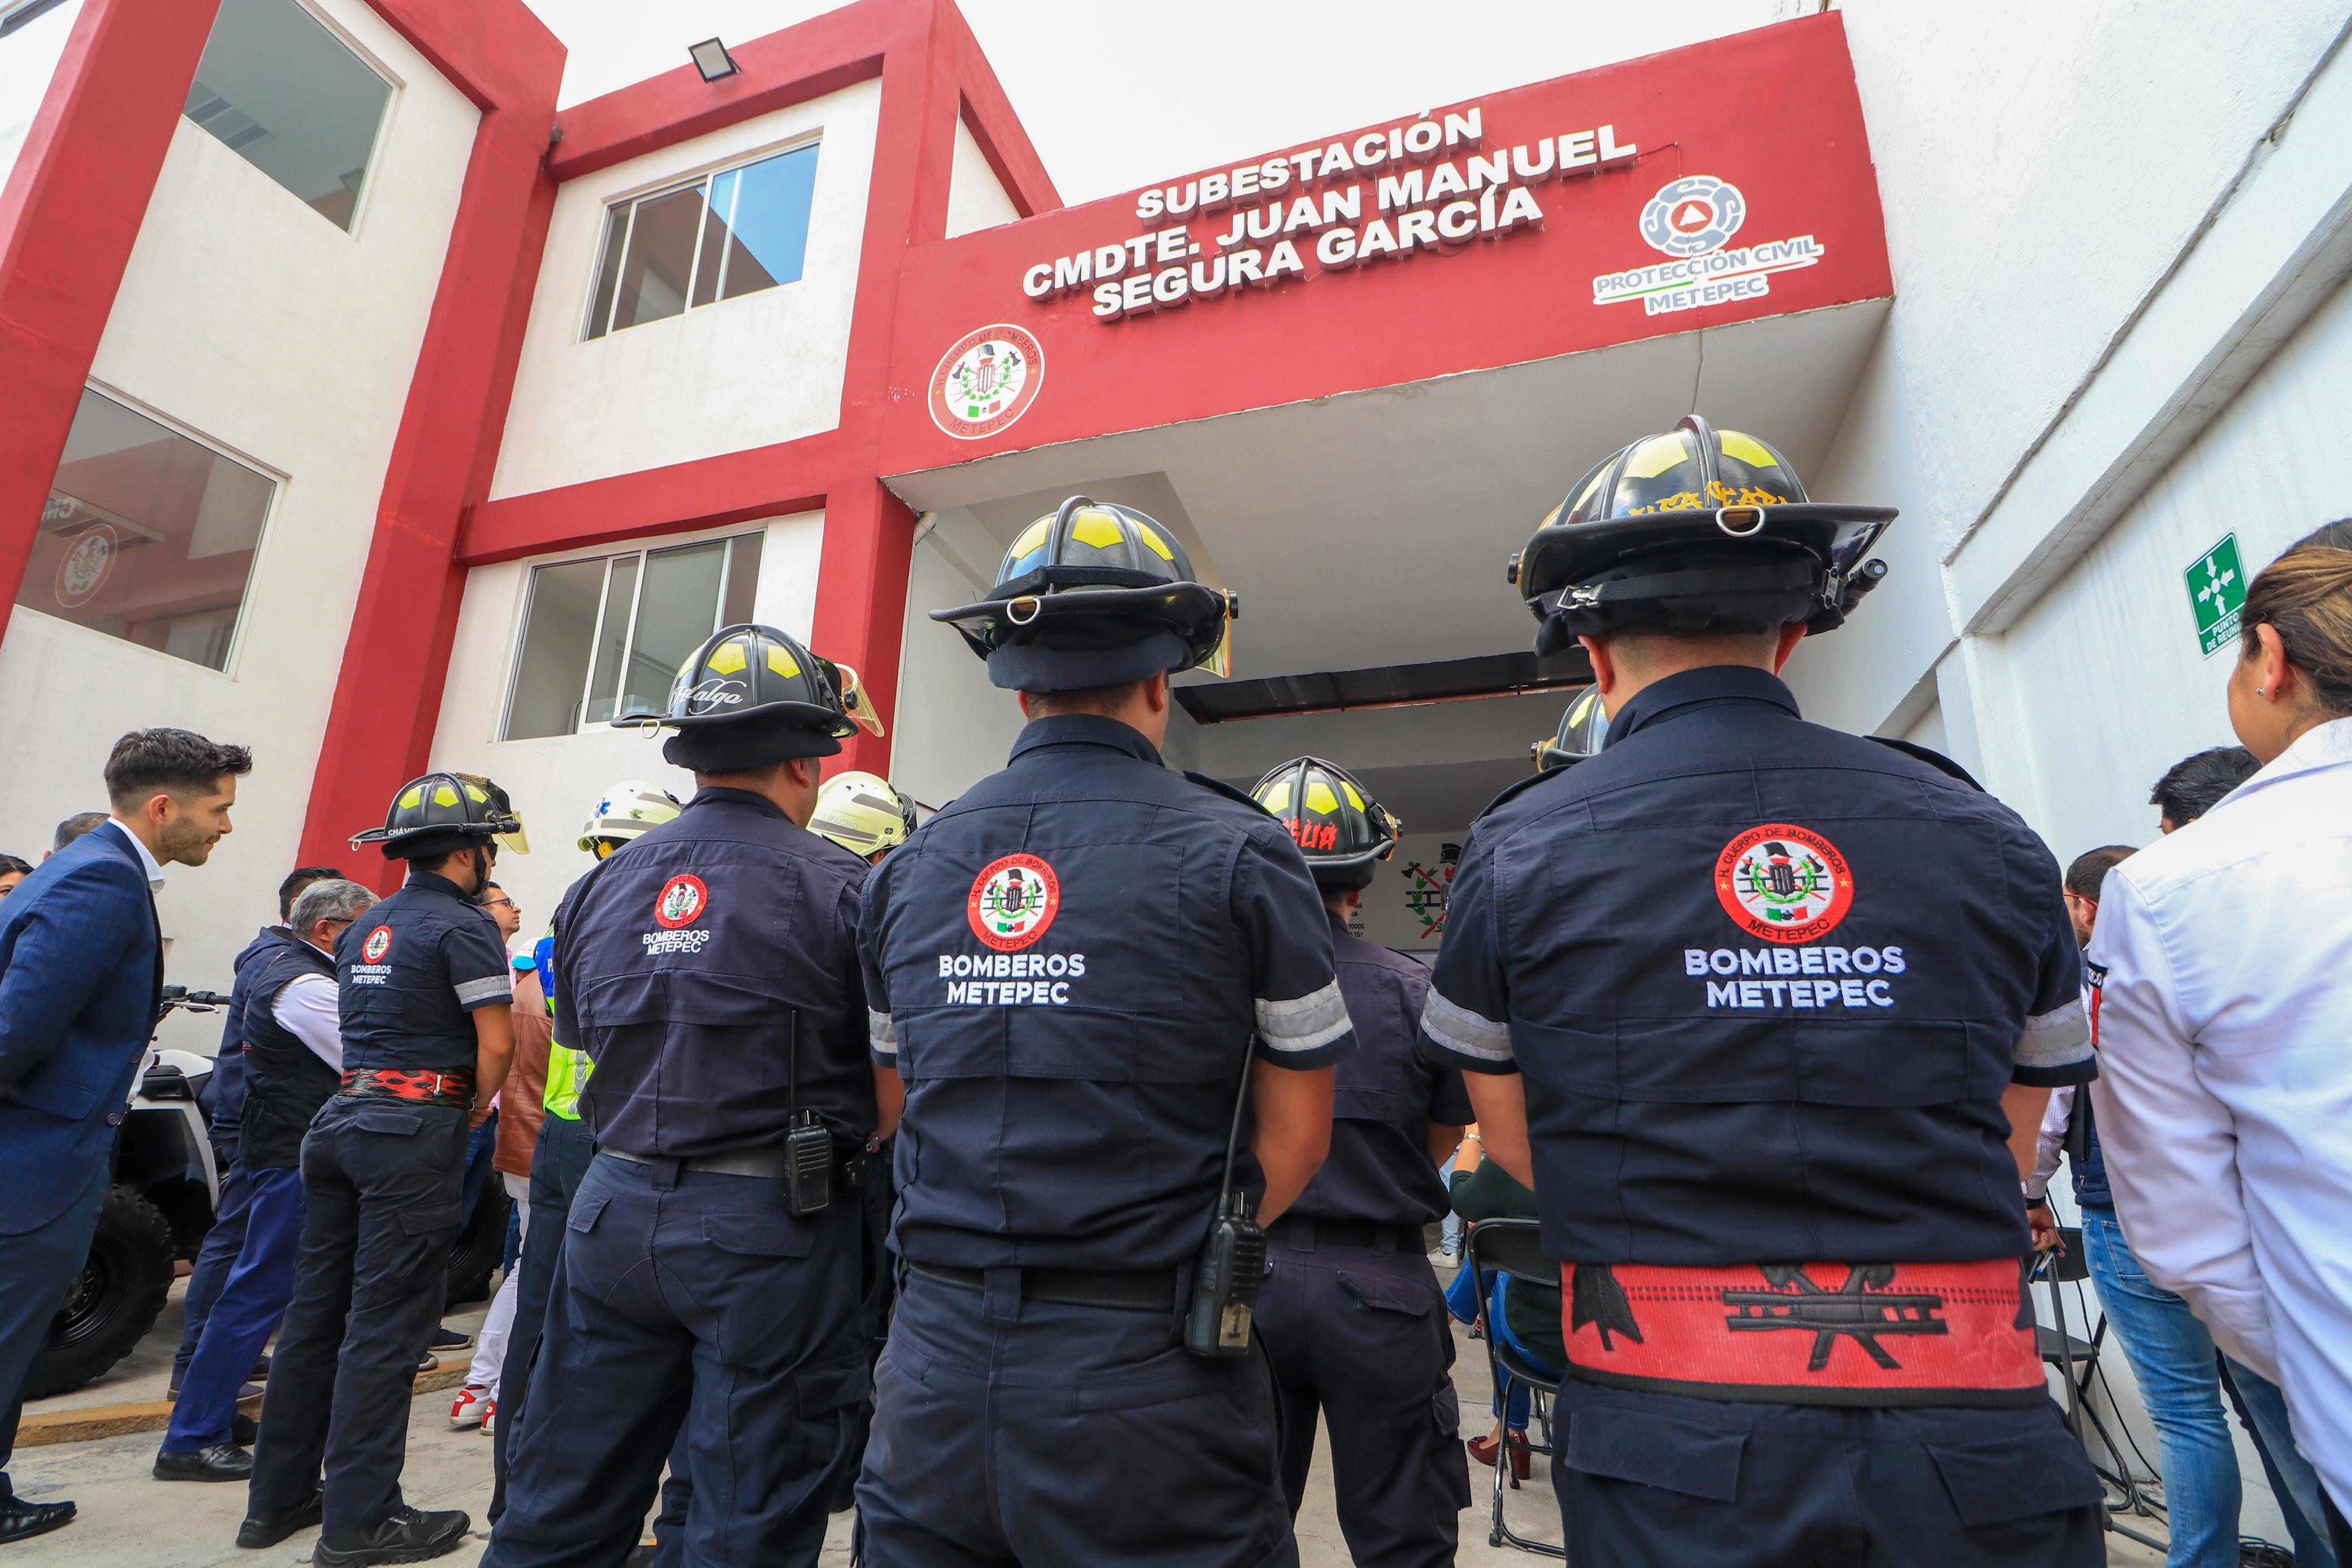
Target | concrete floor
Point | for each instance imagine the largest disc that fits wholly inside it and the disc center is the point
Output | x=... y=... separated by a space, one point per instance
x=128 y=1517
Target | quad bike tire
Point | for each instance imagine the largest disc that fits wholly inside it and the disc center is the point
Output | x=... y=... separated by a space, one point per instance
x=115 y=1301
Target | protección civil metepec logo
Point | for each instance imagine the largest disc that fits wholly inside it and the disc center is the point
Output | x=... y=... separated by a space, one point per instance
x=1693 y=220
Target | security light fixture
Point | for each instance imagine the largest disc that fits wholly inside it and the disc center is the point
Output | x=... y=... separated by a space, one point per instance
x=711 y=59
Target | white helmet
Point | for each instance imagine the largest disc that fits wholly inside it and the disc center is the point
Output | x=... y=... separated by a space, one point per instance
x=862 y=814
x=628 y=809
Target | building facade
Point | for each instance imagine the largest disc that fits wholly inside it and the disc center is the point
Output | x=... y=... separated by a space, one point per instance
x=365 y=408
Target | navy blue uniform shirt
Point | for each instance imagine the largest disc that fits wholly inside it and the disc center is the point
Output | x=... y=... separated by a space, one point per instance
x=225 y=1088
x=1766 y=983
x=409 y=971
x=1379 y=1170
x=699 y=963
x=1068 y=965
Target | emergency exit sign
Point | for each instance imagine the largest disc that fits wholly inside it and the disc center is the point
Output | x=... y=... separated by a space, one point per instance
x=2217 y=591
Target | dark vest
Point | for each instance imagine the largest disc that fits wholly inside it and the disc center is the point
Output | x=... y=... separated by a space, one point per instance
x=285 y=1081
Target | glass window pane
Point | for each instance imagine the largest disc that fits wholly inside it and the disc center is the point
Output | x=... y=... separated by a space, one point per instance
x=742 y=579
x=660 y=263
x=608 y=272
x=714 y=239
x=677 y=609
x=612 y=639
x=147 y=535
x=770 y=226
x=555 y=637
x=293 y=99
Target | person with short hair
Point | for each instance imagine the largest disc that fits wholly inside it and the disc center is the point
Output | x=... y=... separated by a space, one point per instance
x=290 y=1034
x=12 y=872
x=2195 y=785
x=81 y=988
x=72 y=828
x=2225 y=1093
x=224 y=1102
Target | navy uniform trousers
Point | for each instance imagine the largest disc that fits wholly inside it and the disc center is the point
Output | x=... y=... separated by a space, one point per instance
x=689 y=1302
x=1361 y=1334
x=381 y=1182
x=1011 y=1432
x=1649 y=1478
x=559 y=1163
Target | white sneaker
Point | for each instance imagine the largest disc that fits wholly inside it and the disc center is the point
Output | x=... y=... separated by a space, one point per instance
x=472 y=1408
x=489 y=1416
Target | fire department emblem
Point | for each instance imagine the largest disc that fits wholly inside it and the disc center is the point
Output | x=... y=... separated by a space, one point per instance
x=1783 y=883
x=986 y=381
x=1012 y=901
x=681 y=901
x=1692 y=215
x=86 y=565
x=378 y=942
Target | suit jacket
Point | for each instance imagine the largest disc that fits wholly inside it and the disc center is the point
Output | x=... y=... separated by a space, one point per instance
x=81 y=977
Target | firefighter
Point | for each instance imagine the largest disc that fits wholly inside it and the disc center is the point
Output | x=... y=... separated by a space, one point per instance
x=864 y=815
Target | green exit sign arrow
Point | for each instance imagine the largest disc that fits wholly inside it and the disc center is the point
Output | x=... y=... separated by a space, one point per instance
x=2217 y=591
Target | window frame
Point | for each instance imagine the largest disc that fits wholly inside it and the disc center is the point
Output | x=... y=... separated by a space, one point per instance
x=280 y=482
x=634 y=199
x=16 y=14
x=527 y=596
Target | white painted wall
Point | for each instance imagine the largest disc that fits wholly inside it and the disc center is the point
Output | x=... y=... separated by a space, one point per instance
x=250 y=319
x=28 y=60
x=556 y=780
x=976 y=198
x=952 y=728
x=742 y=373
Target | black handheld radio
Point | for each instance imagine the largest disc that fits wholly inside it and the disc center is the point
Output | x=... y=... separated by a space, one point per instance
x=1230 y=1272
x=808 y=1143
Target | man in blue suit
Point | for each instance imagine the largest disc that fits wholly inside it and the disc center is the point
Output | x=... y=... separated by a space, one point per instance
x=81 y=979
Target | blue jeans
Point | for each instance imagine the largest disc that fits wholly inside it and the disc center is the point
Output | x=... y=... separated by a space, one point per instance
x=2294 y=1482
x=244 y=1315
x=2172 y=1357
x=1512 y=1397
x=222 y=1243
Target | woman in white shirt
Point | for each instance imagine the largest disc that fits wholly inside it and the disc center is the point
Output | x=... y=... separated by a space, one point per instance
x=2223 y=963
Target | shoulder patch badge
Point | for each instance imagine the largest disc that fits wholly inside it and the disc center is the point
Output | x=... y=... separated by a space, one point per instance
x=1783 y=883
x=681 y=901
x=378 y=942
x=1013 y=900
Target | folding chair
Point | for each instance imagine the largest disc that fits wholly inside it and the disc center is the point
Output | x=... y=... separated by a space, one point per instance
x=1513 y=1247
x=2061 y=1349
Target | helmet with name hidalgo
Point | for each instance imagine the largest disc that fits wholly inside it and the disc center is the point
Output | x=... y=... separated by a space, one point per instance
x=1092 y=596
x=443 y=812
x=623 y=811
x=1697 y=532
x=862 y=814
x=1337 y=825
x=751 y=696
x=1583 y=731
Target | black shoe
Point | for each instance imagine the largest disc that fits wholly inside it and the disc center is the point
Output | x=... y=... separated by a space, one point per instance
x=261 y=1529
x=260 y=1373
x=409 y=1535
x=21 y=1521
x=244 y=1431
x=448 y=1339
x=221 y=1462
x=641 y=1555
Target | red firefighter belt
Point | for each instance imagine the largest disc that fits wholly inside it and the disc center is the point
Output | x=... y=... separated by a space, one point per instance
x=431 y=1088
x=1807 y=1333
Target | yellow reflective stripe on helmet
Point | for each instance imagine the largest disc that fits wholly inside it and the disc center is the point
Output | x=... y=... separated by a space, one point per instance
x=412 y=797
x=783 y=664
x=1657 y=455
x=1353 y=798
x=1747 y=449
x=1032 y=538
x=1099 y=529
x=728 y=658
x=1153 y=542
x=1277 y=796
x=1320 y=798
x=444 y=796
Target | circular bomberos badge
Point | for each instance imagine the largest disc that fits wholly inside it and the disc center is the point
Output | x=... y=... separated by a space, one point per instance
x=378 y=942
x=86 y=565
x=985 y=380
x=1783 y=883
x=681 y=901
x=1012 y=901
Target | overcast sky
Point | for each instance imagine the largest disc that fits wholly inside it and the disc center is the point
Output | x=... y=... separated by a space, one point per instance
x=1117 y=94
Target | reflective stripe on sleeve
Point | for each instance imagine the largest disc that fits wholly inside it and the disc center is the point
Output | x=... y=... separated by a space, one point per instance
x=1459 y=1029
x=882 y=1032
x=481 y=990
x=2058 y=1037
x=1316 y=1018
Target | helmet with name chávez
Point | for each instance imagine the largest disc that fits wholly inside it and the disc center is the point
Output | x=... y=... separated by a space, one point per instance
x=1095 y=595
x=443 y=812
x=1694 y=532
x=1337 y=825
x=751 y=696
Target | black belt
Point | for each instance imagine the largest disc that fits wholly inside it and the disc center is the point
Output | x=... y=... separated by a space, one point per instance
x=1306 y=1231
x=767 y=1163
x=1132 y=1289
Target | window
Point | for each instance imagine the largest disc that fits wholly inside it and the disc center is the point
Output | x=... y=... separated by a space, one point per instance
x=14 y=13
x=293 y=101
x=604 y=637
x=727 y=234
x=147 y=535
